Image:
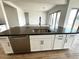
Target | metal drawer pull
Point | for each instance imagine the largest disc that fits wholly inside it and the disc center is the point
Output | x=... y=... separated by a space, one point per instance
x=59 y=38
x=41 y=42
x=72 y=35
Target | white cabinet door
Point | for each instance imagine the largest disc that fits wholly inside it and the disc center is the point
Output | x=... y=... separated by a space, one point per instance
x=59 y=41
x=69 y=40
x=46 y=44
x=41 y=42
x=6 y=45
x=35 y=44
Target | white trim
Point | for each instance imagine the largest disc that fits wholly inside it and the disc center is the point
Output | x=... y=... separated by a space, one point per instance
x=11 y=4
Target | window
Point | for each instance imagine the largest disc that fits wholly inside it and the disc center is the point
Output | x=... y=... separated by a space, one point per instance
x=54 y=20
x=57 y=20
x=73 y=21
x=50 y=21
x=76 y=23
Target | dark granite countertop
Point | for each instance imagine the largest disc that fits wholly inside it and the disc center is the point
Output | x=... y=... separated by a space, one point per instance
x=32 y=31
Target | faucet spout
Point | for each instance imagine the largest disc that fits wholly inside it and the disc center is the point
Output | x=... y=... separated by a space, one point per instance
x=39 y=21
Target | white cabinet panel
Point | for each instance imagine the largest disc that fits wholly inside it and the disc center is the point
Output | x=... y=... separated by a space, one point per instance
x=47 y=44
x=40 y=36
x=59 y=41
x=35 y=44
x=6 y=45
x=41 y=42
x=69 y=40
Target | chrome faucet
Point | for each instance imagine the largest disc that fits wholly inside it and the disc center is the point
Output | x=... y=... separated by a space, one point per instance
x=40 y=21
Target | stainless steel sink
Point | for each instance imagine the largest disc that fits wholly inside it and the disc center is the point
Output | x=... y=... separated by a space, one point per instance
x=40 y=30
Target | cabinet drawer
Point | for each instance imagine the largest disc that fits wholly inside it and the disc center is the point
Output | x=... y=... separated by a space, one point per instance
x=60 y=36
x=4 y=39
x=71 y=36
x=40 y=37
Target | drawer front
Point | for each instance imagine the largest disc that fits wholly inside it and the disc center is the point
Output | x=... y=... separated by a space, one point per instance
x=4 y=39
x=60 y=36
x=40 y=36
x=71 y=36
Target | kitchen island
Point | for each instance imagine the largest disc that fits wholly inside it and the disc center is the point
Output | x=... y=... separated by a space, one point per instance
x=34 y=39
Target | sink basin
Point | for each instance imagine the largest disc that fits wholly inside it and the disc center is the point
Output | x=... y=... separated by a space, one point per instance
x=40 y=30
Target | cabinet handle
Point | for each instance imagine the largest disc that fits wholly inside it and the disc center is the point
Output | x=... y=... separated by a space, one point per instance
x=59 y=38
x=41 y=42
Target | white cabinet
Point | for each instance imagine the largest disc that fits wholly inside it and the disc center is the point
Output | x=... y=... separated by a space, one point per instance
x=59 y=41
x=69 y=40
x=6 y=45
x=35 y=44
x=46 y=44
x=41 y=42
x=51 y=42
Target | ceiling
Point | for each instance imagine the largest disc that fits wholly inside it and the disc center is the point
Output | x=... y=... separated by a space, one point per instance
x=36 y=5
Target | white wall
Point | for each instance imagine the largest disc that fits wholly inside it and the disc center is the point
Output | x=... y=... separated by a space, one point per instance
x=21 y=17
x=34 y=17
